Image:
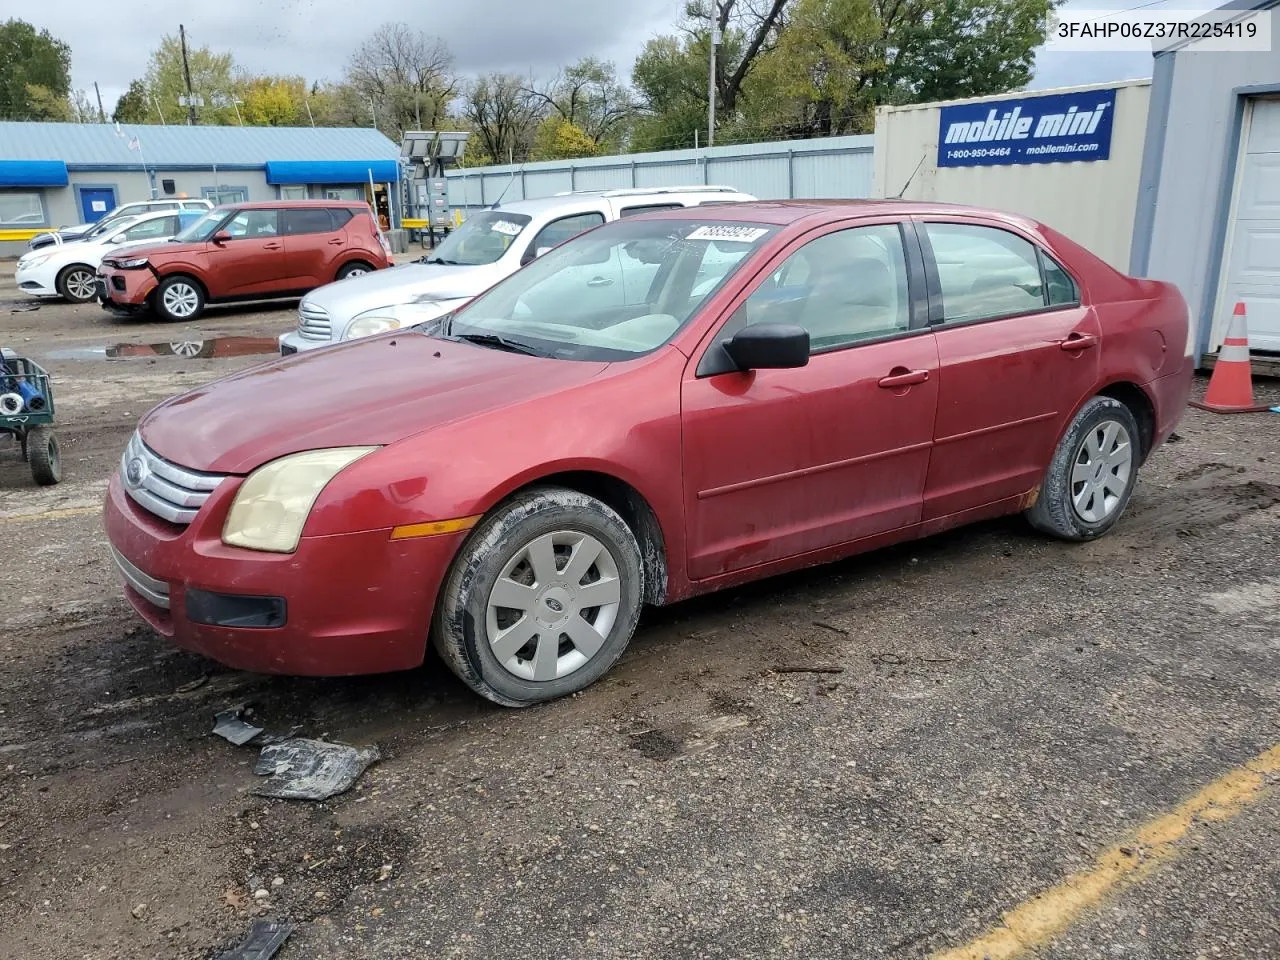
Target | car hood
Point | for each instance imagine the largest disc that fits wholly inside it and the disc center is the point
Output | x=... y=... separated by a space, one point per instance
x=151 y=248
x=367 y=392
x=346 y=299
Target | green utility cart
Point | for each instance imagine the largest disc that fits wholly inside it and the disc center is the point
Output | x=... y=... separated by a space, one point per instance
x=26 y=411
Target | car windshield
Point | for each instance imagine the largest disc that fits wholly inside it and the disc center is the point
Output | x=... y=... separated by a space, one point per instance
x=107 y=224
x=482 y=238
x=203 y=228
x=611 y=294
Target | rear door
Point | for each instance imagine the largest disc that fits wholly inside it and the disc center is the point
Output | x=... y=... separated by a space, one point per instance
x=252 y=261
x=310 y=244
x=1018 y=355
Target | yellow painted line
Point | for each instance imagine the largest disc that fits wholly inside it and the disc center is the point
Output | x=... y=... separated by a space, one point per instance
x=23 y=234
x=435 y=529
x=1034 y=923
x=62 y=514
x=412 y=224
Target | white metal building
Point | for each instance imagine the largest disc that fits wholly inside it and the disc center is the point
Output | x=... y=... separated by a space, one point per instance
x=1069 y=157
x=1209 y=219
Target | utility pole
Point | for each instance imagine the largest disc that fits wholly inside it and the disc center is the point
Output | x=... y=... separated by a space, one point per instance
x=102 y=114
x=711 y=80
x=186 y=72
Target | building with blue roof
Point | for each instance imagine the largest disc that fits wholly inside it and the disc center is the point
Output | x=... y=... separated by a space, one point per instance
x=60 y=174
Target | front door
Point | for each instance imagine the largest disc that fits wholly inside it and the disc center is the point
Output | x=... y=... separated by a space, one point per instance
x=1252 y=272
x=96 y=203
x=779 y=463
x=1018 y=356
x=252 y=261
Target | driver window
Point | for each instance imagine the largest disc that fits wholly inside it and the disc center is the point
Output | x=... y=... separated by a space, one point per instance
x=252 y=223
x=160 y=227
x=843 y=288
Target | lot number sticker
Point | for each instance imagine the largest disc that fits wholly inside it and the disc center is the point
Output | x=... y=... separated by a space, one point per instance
x=506 y=228
x=734 y=234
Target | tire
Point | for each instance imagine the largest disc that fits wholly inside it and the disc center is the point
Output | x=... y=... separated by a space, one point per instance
x=1072 y=503
x=179 y=299
x=77 y=283
x=357 y=268
x=44 y=456
x=475 y=636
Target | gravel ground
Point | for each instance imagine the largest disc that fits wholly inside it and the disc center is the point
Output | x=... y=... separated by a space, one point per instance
x=995 y=711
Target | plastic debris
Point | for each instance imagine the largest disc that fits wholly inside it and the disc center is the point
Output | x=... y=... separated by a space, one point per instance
x=264 y=939
x=301 y=769
x=230 y=725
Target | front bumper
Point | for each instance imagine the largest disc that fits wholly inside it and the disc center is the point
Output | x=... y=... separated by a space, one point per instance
x=351 y=604
x=125 y=288
x=293 y=342
x=36 y=282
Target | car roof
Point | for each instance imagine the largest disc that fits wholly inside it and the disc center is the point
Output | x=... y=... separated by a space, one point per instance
x=817 y=212
x=595 y=199
x=294 y=204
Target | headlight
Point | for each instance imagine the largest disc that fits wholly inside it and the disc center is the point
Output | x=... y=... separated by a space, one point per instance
x=25 y=264
x=367 y=325
x=134 y=264
x=272 y=506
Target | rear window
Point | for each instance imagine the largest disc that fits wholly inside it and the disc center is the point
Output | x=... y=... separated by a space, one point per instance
x=341 y=216
x=308 y=220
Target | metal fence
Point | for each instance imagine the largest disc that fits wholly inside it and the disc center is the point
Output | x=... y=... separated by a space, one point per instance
x=789 y=169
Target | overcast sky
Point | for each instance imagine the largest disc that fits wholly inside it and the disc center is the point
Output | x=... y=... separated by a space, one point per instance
x=313 y=38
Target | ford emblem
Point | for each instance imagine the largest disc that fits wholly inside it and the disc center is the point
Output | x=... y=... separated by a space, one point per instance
x=134 y=471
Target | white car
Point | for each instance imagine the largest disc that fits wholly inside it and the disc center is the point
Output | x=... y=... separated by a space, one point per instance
x=82 y=231
x=69 y=270
x=490 y=245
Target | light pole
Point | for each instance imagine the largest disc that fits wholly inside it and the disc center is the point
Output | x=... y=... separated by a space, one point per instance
x=711 y=74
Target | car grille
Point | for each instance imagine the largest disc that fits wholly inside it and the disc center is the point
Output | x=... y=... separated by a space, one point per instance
x=169 y=491
x=314 y=322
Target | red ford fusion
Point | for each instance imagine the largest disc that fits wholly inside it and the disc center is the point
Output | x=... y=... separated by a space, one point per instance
x=775 y=385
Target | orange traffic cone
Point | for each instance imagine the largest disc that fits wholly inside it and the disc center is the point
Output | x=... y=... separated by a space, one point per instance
x=1231 y=385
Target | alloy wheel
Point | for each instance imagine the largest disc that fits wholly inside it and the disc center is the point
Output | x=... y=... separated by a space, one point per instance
x=81 y=284
x=181 y=299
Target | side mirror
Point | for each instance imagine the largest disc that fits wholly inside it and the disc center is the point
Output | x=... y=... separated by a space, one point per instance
x=769 y=346
x=221 y=237
x=118 y=238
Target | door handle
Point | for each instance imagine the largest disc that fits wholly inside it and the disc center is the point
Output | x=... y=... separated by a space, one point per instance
x=335 y=242
x=271 y=246
x=599 y=282
x=1077 y=342
x=902 y=377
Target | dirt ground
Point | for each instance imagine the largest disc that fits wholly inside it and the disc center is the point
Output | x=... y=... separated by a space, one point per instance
x=999 y=727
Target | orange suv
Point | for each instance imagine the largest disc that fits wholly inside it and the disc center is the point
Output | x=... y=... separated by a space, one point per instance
x=249 y=251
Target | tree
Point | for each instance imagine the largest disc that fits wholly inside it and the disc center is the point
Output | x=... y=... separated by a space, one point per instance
x=134 y=105
x=503 y=115
x=212 y=77
x=405 y=76
x=588 y=97
x=31 y=60
x=273 y=101
x=558 y=139
x=838 y=60
x=671 y=72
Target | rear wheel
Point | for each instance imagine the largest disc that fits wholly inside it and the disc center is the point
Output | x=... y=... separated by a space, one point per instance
x=542 y=599
x=1092 y=474
x=357 y=269
x=179 y=298
x=77 y=283
x=44 y=456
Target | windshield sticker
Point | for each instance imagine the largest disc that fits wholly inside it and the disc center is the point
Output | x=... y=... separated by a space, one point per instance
x=729 y=232
x=506 y=228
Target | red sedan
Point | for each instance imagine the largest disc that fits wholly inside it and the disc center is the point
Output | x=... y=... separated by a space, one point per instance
x=776 y=385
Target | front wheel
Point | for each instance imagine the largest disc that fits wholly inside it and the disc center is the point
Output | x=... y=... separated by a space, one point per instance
x=1092 y=474
x=542 y=599
x=77 y=283
x=179 y=298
